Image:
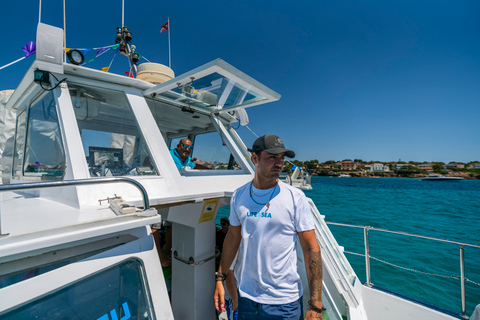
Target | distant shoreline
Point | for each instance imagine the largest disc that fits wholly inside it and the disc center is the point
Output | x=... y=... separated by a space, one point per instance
x=362 y=174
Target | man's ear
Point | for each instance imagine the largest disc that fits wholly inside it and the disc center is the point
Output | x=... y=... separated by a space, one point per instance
x=254 y=158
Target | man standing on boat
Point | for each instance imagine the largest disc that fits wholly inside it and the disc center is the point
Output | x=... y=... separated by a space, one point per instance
x=266 y=217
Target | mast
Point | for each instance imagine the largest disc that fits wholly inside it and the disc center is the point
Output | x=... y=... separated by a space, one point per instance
x=169 y=54
x=64 y=34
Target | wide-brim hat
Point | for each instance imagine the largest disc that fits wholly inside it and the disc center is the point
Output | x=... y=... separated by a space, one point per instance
x=271 y=144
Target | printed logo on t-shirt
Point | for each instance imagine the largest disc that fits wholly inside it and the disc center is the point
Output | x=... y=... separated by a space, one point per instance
x=263 y=214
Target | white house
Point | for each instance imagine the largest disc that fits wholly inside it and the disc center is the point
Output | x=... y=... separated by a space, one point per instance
x=474 y=166
x=379 y=167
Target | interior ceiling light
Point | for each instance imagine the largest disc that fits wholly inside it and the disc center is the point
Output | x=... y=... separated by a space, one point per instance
x=75 y=56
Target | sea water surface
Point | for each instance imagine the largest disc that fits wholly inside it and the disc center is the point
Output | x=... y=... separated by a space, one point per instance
x=440 y=209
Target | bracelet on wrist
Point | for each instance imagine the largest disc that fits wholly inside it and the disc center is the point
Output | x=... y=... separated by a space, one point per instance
x=219 y=275
x=312 y=307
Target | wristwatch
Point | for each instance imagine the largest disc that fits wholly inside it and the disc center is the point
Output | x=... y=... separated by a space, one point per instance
x=220 y=276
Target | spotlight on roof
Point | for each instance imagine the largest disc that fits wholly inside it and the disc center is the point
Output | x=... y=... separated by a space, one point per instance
x=75 y=56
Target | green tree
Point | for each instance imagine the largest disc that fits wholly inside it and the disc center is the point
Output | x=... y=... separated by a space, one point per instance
x=330 y=162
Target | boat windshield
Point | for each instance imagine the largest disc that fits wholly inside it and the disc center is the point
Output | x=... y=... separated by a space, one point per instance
x=41 y=146
x=213 y=91
x=216 y=86
x=112 y=141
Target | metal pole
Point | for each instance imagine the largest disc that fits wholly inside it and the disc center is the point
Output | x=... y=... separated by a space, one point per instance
x=40 y=12
x=462 y=280
x=169 y=53
x=123 y=13
x=64 y=34
x=367 y=256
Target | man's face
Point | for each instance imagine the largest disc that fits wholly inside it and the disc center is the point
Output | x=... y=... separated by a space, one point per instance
x=268 y=165
x=183 y=150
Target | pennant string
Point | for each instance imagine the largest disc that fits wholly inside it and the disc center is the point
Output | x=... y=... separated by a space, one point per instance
x=12 y=63
x=112 y=61
x=90 y=49
x=29 y=49
x=99 y=53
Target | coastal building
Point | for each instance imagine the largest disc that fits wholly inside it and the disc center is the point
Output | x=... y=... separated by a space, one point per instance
x=398 y=166
x=348 y=165
x=379 y=167
x=455 y=165
x=425 y=166
x=474 y=166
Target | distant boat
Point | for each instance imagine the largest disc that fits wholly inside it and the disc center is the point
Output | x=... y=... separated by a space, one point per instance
x=300 y=179
x=440 y=177
x=343 y=175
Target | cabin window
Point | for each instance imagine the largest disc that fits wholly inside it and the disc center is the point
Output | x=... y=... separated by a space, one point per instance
x=119 y=292
x=112 y=141
x=44 y=153
x=19 y=144
x=210 y=152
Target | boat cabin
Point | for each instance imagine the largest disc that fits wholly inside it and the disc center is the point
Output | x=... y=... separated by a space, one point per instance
x=66 y=122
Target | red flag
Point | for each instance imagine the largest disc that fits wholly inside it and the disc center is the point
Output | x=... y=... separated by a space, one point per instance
x=129 y=73
x=164 y=27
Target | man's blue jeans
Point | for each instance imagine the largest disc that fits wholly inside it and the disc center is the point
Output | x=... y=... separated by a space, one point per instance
x=248 y=309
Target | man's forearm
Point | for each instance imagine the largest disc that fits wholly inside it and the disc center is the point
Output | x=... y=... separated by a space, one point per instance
x=230 y=248
x=313 y=262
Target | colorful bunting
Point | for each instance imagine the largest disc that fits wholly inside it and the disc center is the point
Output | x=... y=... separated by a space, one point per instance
x=105 y=69
x=129 y=73
x=101 y=50
x=29 y=49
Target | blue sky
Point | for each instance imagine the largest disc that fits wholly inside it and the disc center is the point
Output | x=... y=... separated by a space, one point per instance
x=371 y=80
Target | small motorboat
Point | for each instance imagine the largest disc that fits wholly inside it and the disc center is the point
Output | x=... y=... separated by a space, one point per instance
x=432 y=177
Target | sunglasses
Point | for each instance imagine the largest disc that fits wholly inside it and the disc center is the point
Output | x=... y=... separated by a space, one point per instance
x=186 y=146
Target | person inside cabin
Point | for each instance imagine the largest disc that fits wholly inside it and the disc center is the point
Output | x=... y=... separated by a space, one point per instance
x=181 y=155
x=220 y=235
x=266 y=219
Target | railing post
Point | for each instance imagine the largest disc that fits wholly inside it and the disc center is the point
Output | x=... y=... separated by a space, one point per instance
x=367 y=256
x=462 y=280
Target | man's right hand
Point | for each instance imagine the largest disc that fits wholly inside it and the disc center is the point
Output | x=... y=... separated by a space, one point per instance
x=219 y=296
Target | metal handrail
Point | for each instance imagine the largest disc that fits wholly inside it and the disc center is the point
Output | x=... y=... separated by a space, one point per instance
x=63 y=183
x=367 y=253
x=191 y=260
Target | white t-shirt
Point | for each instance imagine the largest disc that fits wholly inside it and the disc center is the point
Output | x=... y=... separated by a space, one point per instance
x=266 y=270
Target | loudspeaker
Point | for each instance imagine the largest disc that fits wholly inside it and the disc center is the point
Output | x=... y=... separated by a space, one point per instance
x=49 y=48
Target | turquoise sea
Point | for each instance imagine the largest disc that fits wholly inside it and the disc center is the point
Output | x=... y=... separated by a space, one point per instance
x=441 y=209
